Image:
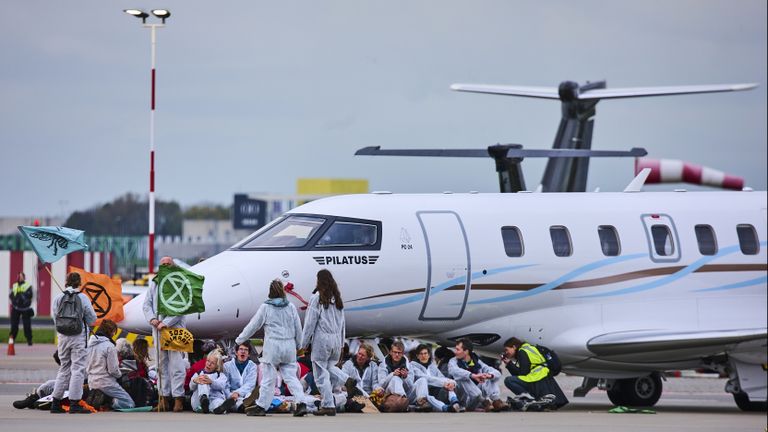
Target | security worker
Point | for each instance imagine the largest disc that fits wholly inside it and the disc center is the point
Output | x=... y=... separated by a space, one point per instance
x=21 y=302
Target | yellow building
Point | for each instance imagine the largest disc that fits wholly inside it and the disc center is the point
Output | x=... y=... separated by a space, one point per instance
x=329 y=186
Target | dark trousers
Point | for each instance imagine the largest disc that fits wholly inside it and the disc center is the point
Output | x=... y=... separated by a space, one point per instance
x=518 y=386
x=25 y=317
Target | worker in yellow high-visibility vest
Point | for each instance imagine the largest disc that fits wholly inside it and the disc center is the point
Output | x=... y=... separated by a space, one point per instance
x=21 y=307
x=529 y=373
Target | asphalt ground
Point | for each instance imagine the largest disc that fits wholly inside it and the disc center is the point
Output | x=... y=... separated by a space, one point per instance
x=687 y=404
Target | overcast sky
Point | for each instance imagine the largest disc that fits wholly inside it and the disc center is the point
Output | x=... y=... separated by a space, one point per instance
x=257 y=94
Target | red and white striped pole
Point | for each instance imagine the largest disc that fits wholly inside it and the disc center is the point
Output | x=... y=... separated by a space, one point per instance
x=151 y=262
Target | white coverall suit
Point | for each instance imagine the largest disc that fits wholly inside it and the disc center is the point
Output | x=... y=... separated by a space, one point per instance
x=325 y=330
x=216 y=391
x=72 y=352
x=172 y=366
x=243 y=383
x=409 y=387
x=471 y=393
x=433 y=378
x=104 y=371
x=282 y=333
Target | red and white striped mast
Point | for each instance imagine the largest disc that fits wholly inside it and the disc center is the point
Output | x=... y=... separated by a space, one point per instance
x=162 y=14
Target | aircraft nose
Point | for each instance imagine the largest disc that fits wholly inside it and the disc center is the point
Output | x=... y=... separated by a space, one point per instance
x=134 y=320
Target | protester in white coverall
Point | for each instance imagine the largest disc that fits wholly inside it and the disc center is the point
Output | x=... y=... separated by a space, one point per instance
x=72 y=352
x=171 y=364
x=324 y=328
x=241 y=373
x=396 y=377
x=363 y=369
x=210 y=387
x=477 y=384
x=104 y=369
x=425 y=369
x=282 y=333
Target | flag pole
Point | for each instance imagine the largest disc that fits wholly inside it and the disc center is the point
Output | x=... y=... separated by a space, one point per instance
x=52 y=277
x=160 y=397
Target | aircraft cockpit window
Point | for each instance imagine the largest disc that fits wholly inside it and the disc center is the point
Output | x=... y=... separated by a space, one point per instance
x=748 y=239
x=609 y=240
x=561 y=240
x=705 y=236
x=662 y=240
x=349 y=234
x=292 y=232
x=513 y=241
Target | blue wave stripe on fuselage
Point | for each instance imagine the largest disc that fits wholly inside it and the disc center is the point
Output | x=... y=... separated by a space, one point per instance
x=442 y=287
x=559 y=281
x=671 y=278
x=742 y=284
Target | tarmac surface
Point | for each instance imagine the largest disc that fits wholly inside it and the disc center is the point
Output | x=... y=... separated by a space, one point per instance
x=687 y=404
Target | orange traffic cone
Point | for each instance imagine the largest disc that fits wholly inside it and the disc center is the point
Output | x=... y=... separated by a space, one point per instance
x=11 y=348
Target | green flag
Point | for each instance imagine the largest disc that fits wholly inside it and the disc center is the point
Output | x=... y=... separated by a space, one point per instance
x=179 y=291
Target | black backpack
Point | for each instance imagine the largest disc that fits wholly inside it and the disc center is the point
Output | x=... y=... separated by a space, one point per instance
x=552 y=360
x=69 y=314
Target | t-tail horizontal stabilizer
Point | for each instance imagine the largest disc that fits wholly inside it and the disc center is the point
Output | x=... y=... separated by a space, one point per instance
x=507 y=157
x=569 y=174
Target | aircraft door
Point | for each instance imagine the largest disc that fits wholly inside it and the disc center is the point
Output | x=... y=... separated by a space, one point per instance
x=663 y=241
x=448 y=265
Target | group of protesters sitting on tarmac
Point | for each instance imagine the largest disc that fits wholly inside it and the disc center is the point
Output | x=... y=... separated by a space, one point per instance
x=300 y=370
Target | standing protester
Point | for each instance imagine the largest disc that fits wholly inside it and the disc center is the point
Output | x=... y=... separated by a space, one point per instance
x=171 y=364
x=476 y=382
x=104 y=369
x=21 y=307
x=73 y=314
x=529 y=373
x=282 y=336
x=324 y=328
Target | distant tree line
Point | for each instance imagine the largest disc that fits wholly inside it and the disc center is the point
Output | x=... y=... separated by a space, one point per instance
x=127 y=215
x=216 y=212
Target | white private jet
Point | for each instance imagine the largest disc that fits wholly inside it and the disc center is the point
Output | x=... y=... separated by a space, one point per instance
x=622 y=285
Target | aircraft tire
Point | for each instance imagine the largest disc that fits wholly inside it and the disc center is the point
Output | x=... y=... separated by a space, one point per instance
x=641 y=392
x=744 y=404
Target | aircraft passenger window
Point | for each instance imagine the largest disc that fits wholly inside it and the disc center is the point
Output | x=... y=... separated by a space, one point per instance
x=662 y=240
x=292 y=232
x=705 y=235
x=609 y=240
x=513 y=241
x=348 y=234
x=561 y=240
x=748 y=239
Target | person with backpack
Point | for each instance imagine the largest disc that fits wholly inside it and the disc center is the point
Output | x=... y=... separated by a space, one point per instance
x=531 y=369
x=73 y=314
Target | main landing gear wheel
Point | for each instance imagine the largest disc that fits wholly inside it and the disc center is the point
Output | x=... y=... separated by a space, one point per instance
x=642 y=392
x=744 y=404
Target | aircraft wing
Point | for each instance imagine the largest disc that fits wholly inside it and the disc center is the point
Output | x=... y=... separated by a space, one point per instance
x=650 y=341
x=600 y=93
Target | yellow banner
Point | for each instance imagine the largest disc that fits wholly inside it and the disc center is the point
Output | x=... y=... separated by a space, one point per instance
x=176 y=339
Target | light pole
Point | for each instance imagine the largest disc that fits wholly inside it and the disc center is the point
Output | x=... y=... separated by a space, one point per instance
x=161 y=14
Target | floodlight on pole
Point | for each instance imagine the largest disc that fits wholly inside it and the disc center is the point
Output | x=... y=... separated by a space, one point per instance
x=162 y=14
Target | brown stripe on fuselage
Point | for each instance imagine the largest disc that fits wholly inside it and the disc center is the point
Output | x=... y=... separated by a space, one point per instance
x=586 y=283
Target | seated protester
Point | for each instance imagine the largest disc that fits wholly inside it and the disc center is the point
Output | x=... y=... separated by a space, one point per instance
x=38 y=392
x=104 y=370
x=136 y=382
x=395 y=377
x=198 y=365
x=477 y=384
x=442 y=356
x=362 y=369
x=529 y=373
x=241 y=373
x=425 y=369
x=141 y=356
x=210 y=387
